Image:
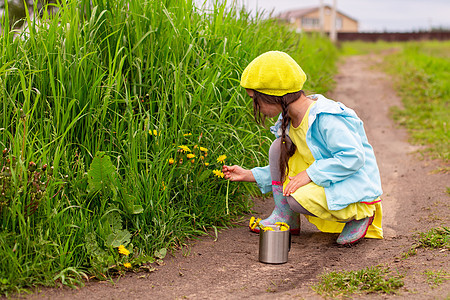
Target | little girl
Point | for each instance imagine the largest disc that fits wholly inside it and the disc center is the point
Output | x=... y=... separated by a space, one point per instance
x=320 y=164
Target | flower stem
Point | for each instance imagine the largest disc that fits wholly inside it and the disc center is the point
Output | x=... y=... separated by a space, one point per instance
x=226 y=198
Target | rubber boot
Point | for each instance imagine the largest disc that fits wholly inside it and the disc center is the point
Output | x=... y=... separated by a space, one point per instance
x=354 y=231
x=281 y=213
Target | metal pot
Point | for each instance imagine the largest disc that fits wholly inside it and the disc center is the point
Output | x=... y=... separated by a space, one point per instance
x=274 y=246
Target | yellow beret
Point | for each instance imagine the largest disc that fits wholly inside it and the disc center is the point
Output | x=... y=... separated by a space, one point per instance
x=273 y=73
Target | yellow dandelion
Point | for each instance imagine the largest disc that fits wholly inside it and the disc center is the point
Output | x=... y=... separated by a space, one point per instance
x=252 y=224
x=283 y=226
x=184 y=148
x=171 y=161
x=187 y=134
x=221 y=158
x=252 y=220
x=127 y=265
x=123 y=250
x=190 y=155
x=206 y=164
x=203 y=149
x=218 y=173
x=153 y=132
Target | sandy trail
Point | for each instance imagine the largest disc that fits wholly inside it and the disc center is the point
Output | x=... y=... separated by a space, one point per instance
x=414 y=198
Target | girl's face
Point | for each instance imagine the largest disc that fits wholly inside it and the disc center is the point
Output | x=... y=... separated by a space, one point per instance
x=269 y=110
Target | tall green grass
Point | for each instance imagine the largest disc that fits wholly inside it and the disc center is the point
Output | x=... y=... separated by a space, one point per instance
x=422 y=77
x=104 y=95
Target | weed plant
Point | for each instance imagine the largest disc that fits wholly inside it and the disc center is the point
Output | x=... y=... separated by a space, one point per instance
x=435 y=238
x=110 y=94
x=436 y=278
x=370 y=280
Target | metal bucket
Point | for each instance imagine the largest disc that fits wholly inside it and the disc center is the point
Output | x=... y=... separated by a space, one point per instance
x=274 y=246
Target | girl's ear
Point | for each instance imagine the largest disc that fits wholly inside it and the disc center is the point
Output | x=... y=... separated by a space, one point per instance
x=250 y=92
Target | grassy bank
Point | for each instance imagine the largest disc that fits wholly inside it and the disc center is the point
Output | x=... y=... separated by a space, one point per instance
x=113 y=117
x=420 y=75
x=423 y=82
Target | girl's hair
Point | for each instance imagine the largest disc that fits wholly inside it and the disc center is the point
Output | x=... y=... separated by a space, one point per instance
x=287 y=146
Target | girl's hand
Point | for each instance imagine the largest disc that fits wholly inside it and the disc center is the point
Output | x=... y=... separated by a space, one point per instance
x=237 y=173
x=296 y=182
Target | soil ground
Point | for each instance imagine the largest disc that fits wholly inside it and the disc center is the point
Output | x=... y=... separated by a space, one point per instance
x=228 y=268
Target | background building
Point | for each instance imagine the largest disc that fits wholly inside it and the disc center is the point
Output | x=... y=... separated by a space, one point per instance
x=309 y=19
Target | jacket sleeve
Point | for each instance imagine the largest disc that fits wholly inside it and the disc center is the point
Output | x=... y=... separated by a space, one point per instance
x=341 y=153
x=263 y=178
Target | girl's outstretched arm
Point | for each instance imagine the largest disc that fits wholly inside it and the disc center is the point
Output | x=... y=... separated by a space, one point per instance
x=237 y=173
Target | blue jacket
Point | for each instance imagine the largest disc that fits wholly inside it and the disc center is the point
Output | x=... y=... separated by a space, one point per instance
x=345 y=163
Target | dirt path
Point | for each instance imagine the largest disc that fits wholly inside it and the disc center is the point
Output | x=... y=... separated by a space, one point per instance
x=414 y=199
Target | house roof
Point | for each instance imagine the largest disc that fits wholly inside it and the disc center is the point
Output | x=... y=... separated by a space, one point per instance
x=298 y=13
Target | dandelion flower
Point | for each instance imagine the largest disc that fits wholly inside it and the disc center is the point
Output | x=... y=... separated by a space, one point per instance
x=184 y=148
x=221 y=158
x=218 y=173
x=283 y=226
x=127 y=265
x=153 y=132
x=171 y=161
x=123 y=250
x=203 y=149
x=206 y=164
x=268 y=229
x=252 y=221
x=190 y=155
x=187 y=134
